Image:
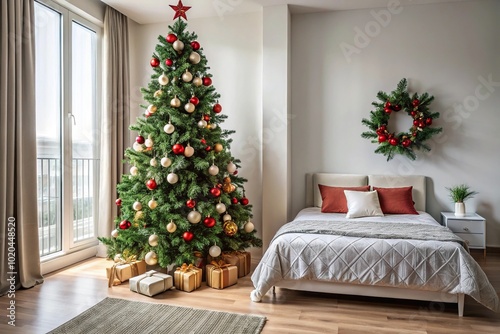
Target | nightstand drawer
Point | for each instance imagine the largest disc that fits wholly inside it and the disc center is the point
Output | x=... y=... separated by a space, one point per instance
x=473 y=240
x=465 y=226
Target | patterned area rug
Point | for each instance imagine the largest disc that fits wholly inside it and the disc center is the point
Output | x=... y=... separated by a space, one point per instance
x=121 y=316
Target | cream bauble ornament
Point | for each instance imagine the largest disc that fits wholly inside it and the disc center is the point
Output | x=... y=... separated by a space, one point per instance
x=114 y=233
x=194 y=217
x=169 y=128
x=175 y=102
x=213 y=170
x=152 y=108
x=178 y=45
x=151 y=258
x=163 y=79
x=226 y=217
x=134 y=171
x=153 y=162
x=231 y=167
x=166 y=162
x=213 y=126
x=220 y=207
x=153 y=240
x=149 y=142
x=172 y=178
x=189 y=107
x=137 y=206
x=152 y=204
x=137 y=147
x=158 y=93
x=202 y=124
x=188 y=151
x=194 y=57
x=171 y=227
x=214 y=251
x=249 y=227
x=197 y=82
x=187 y=76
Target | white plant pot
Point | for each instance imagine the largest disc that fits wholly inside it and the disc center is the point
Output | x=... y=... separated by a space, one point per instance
x=460 y=209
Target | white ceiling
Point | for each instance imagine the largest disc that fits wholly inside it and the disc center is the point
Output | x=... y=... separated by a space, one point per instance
x=155 y=11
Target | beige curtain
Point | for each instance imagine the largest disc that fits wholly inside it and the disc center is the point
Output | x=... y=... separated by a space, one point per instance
x=115 y=117
x=18 y=201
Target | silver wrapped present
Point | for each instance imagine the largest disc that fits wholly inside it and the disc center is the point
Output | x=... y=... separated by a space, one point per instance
x=151 y=283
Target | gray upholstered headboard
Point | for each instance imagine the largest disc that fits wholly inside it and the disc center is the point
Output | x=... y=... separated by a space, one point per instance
x=313 y=196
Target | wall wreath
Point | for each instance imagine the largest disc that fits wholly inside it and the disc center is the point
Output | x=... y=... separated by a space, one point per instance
x=405 y=143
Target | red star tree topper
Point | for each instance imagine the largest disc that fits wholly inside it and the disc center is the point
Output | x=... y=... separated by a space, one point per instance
x=180 y=10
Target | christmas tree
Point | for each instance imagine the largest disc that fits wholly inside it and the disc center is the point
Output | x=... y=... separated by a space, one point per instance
x=183 y=195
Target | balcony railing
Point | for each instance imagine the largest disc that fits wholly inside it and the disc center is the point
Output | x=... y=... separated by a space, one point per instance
x=49 y=190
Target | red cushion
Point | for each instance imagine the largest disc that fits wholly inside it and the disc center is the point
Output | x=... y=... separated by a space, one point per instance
x=334 y=200
x=396 y=200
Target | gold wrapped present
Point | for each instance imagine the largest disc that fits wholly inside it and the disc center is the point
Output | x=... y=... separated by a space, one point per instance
x=125 y=269
x=220 y=275
x=151 y=283
x=187 y=277
x=238 y=259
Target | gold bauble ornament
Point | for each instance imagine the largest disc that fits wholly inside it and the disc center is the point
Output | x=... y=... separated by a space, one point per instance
x=175 y=102
x=249 y=227
x=197 y=82
x=163 y=79
x=228 y=187
x=218 y=147
x=152 y=108
x=187 y=76
x=153 y=240
x=151 y=258
x=230 y=228
x=189 y=107
x=158 y=93
x=194 y=57
x=178 y=45
x=152 y=204
x=171 y=227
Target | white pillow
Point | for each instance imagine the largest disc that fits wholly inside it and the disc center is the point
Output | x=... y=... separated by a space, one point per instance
x=362 y=204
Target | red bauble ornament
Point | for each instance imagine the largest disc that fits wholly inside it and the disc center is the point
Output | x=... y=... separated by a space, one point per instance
x=244 y=201
x=203 y=141
x=393 y=141
x=397 y=107
x=155 y=62
x=217 y=108
x=118 y=202
x=415 y=102
x=415 y=122
x=147 y=114
x=215 y=192
x=382 y=138
x=406 y=143
x=413 y=113
x=171 y=38
x=235 y=172
x=387 y=104
x=234 y=200
x=190 y=203
x=209 y=222
x=194 y=100
x=387 y=110
x=140 y=140
x=188 y=236
x=208 y=148
x=195 y=45
x=206 y=118
x=125 y=224
x=178 y=149
x=428 y=121
x=151 y=184
x=169 y=62
x=207 y=81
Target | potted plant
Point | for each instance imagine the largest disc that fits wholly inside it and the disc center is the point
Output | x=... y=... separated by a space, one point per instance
x=459 y=194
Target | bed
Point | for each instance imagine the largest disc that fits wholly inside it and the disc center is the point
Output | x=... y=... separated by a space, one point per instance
x=396 y=255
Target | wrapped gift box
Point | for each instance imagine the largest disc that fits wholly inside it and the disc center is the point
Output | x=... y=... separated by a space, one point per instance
x=200 y=262
x=238 y=259
x=151 y=283
x=121 y=272
x=220 y=275
x=187 y=278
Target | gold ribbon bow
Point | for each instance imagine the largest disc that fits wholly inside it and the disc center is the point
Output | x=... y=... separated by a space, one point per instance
x=185 y=268
x=127 y=260
x=219 y=264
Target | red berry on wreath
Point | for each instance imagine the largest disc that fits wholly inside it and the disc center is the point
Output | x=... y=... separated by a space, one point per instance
x=155 y=62
x=415 y=122
x=415 y=102
x=234 y=200
x=188 y=236
x=169 y=62
x=190 y=203
x=207 y=81
x=118 y=202
x=382 y=138
x=421 y=124
x=178 y=149
x=387 y=110
x=406 y=143
x=171 y=38
x=413 y=113
x=393 y=141
x=140 y=140
x=414 y=134
x=397 y=107
x=217 y=108
x=428 y=121
x=195 y=45
x=151 y=184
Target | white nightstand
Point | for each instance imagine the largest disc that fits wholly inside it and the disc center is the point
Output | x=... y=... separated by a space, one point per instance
x=471 y=228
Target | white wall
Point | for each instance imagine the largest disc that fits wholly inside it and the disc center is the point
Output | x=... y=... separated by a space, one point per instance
x=233 y=47
x=448 y=50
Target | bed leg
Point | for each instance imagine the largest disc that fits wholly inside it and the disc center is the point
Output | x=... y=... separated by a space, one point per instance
x=460 y=299
x=274 y=290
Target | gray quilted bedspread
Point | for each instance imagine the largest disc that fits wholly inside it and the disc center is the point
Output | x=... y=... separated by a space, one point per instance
x=414 y=256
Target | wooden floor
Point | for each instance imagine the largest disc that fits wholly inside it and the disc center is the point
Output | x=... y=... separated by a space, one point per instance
x=68 y=292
